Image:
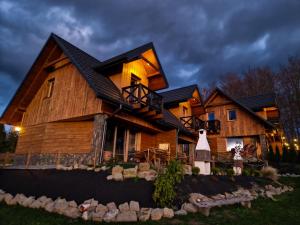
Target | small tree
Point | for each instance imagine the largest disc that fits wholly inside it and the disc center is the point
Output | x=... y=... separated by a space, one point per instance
x=2 y=138
x=271 y=156
x=277 y=155
x=284 y=154
x=12 y=138
x=292 y=156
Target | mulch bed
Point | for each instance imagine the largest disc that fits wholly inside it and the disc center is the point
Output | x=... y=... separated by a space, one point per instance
x=80 y=185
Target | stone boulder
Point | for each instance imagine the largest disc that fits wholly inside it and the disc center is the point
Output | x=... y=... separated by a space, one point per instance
x=181 y=212
x=101 y=208
x=8 y=199
x=73 y=204
x=156 y=214
x=117 y=177
x=149 y=175
x=196 y=198
x=110 y=216
x=109 y=177
x=49 y=207
x=189 y=207
x=60 y=205
x=130 y=173
x=28 y=201
x=145 y=214
x=36 y=204
x=97 y=216
x=72 y=212
x=86 y=215
x=124 y=207
x=111 y=206
x=144 y=166
x=134 y=206
x=168 y=213
x=117 y=169
x=127 y=216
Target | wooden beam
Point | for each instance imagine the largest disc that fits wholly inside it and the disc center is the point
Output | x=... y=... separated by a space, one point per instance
x=150 y=63
x=55 y=61
x=126 y=144
x=115 y=141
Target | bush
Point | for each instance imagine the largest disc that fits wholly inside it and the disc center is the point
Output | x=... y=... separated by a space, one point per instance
x=195 y=170
x=284 y=154
x=246 y=172
x=292 y=156
x=271 y=155
x=229 y=172
x=164 y=193
x=269 y=173
x=215 y=170
x=277 y=155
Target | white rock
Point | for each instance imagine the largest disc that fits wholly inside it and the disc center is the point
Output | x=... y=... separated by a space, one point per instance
x=130 y=173
x=2 y=192
x=72 y=212
x=86 y=215
x=144 y=166
x=49 y=207
x=36 y=204
x=189 y=207
x=28 y=201
x=181 y=212
x=156 y=214
x=97 y=216
x=118 y=177
x=101 y=208
x=117 y=169
x=124 y=207
x=145 y=214
x=168 y=213
x=8 y=199
x=73 y=204
x=127 y=216
x=111 y=206
x=111 y=215
x=109 y=177
x=134 y=206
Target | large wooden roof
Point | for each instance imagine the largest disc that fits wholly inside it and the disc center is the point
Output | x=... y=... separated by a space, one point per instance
x=259 y=102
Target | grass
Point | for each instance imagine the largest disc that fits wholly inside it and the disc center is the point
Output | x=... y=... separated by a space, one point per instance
x=264 y=211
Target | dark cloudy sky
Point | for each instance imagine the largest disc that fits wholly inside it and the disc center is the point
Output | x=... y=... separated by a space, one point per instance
x=196 y=41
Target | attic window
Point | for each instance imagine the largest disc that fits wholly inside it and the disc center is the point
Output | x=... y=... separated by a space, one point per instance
x=231 y=114
x=50 y=86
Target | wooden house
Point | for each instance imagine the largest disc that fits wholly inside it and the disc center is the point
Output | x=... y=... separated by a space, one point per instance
x=73 y=108
x=238 y=124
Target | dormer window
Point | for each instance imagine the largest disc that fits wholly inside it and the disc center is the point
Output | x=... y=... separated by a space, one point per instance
x=50 y=86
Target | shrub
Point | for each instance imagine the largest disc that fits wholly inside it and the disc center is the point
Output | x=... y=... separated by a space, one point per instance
x=215 y=170
x=246 y=172
x=284 y=154
x=195 y=170
x=271 y=154
x=277 y=155
x=292 y=156
x=256 y=173
x=269 y=173
x=164 y=193
x=229 y=172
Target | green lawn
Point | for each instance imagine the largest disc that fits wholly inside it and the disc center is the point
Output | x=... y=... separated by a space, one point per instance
x=286 y=210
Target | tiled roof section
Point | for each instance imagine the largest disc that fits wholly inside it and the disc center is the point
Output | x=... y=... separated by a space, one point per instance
x=259 y=101
x=172 y=120
x=179 y=94
x=103 y=86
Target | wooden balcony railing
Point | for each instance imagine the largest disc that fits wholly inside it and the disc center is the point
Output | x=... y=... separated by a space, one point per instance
x=213 y=126
x=194 y=123
x=141 y=96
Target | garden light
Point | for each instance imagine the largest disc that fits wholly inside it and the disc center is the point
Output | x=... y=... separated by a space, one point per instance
x=18 y=129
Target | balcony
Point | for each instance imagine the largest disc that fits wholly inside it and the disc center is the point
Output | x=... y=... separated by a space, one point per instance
x=144 y=101
x=194 y=123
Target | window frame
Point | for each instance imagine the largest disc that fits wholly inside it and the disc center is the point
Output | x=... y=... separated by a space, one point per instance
x=212 y=112
x=228 y=114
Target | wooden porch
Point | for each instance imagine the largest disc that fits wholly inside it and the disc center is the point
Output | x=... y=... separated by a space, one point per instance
x=194 y=123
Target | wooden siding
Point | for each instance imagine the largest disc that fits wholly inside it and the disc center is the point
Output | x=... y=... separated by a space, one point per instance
x=57 y=137
x=72 y=97
x=168 y=137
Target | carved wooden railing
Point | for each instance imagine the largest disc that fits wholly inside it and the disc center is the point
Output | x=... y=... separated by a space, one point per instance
x=192 y=122
x=140 y=94
x=213 y=126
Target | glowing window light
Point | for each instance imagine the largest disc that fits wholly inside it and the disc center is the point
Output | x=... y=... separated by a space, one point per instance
x=18 y=129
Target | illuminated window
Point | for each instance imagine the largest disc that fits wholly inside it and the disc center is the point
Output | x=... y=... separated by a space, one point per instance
x=211 y=116
x=184 y=111
x=231 y=114
x=50 y=87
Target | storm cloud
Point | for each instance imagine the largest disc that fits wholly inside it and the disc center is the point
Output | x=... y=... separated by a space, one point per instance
x=196 y=41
